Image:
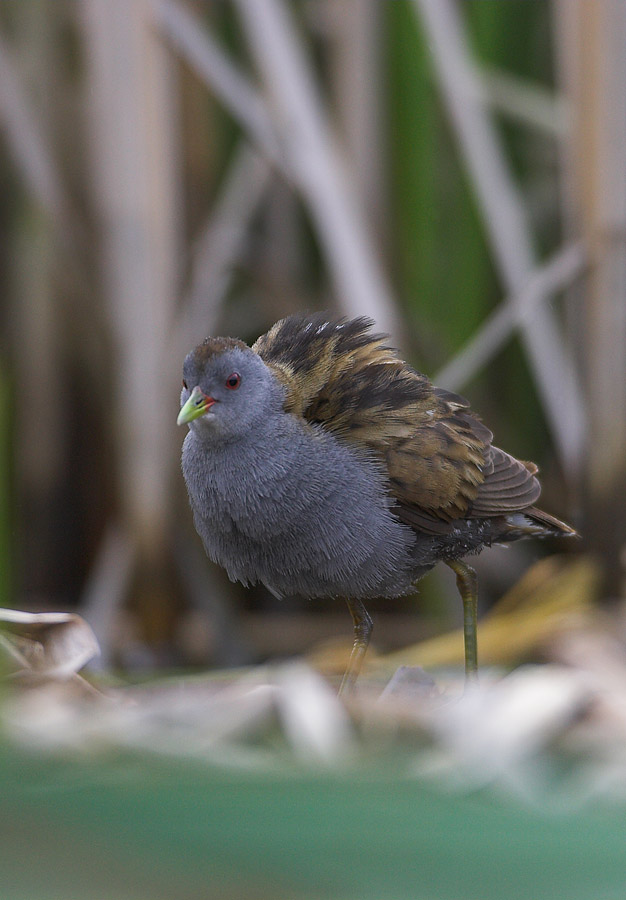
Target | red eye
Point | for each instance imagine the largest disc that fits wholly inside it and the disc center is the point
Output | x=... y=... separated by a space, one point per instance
x=233 y=381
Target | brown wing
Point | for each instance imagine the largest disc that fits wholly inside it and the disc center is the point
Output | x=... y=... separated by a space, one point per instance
x=437 y=454
x=321 y=361
x=509 y=485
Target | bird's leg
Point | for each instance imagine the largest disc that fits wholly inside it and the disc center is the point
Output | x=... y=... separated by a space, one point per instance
x=362 y=631
x=467 y=584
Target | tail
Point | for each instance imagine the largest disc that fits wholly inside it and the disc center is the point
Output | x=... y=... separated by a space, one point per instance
x=533 y=521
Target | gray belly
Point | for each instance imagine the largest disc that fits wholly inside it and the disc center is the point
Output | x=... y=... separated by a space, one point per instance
x=307 y=517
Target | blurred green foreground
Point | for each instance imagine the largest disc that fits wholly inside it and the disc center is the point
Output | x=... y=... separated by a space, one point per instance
x=137 y=828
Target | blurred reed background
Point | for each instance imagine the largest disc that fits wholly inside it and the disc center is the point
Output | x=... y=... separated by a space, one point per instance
x=176 y=168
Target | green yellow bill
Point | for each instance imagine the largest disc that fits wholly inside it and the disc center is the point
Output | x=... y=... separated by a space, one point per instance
x=197 y=405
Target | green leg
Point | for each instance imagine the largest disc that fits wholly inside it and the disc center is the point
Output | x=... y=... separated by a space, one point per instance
x=362 y=632
x=467 y=584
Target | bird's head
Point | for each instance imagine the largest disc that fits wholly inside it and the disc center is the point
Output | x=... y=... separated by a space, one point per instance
x=227 y=390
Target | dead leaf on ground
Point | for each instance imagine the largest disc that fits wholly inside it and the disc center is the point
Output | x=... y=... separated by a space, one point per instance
x=555 y=593
x=52 y=645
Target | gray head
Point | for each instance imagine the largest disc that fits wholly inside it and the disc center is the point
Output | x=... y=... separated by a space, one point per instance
x=227 y=390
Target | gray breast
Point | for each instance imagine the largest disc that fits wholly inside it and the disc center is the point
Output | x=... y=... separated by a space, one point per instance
x=297 y=510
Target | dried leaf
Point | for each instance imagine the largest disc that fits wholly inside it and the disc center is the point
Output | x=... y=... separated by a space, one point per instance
x=551 y=596
x=314 y=720
x=49 y=645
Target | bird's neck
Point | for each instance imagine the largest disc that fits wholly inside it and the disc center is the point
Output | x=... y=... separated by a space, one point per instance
x=252 y=481
x=263 y=430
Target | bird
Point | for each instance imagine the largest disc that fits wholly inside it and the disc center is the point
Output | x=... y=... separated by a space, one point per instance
x=321 y=465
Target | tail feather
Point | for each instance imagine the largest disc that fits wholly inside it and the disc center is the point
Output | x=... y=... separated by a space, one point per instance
x=533 y=521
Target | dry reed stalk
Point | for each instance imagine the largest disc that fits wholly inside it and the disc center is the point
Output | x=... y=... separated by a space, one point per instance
x=505 y=223
x=591 y=38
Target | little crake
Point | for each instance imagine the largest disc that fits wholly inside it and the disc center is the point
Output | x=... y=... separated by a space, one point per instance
x=320 y=464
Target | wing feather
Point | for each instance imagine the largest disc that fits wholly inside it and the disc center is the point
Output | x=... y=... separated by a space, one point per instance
x=437 y=454
x=509 y=487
